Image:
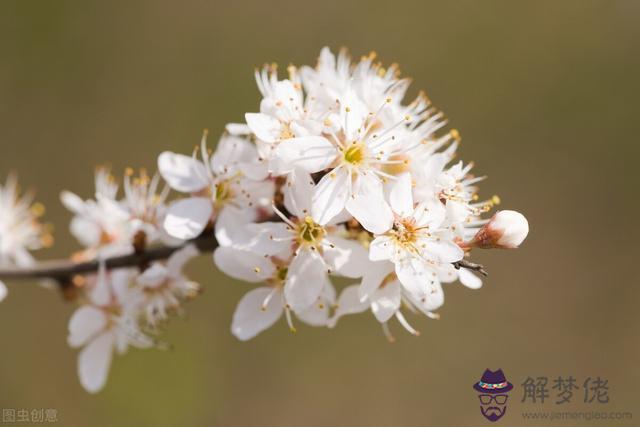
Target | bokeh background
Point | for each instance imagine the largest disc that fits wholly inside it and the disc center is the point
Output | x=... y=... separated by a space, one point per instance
x=545 y=95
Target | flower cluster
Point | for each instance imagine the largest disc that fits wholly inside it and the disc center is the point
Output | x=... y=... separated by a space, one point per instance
x=123 y=307
x=334 y=177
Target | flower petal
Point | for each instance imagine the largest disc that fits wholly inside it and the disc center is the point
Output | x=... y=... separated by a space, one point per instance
x=85 y=323
x=101 y=292
x=176 y=262
x=330 y=196
x=346 y=257
x=232 y=150
x=373 y=277
x=456 y=211
x=3 y=291
x=256 y=194
x=94 y=362
x=238 y=154
x=230 y=223
x=265 y=239
x=372 y=212
x=446 y=273
x=263 y=126
x=182 y=173
x=401 y=197
x=352 y=113
x=444 y=251
x=73 y=202
x=429 y=212
x=315 y=315
x=469 y=279
x=310 y=153
x=381 y=248
x=258 y=170
x=298 y=192
x=306 y=277
x=187 y=218
x=252 y=316
x=120 y=284
x=87 y=232
x=386 y=301
x=413 y=275
x=153 y=276
x=243 y=265
x=348 y=303
x=237 y=129
x=430 y=299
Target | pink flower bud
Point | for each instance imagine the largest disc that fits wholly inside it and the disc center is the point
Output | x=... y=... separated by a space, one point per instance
x=506 y=230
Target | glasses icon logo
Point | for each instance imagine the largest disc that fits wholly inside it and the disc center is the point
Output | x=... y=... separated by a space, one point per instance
x=486 y=399
x=492 y=391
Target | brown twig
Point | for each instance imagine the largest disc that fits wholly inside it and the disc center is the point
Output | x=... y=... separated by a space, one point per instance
x=64 y=270
x=470 y=266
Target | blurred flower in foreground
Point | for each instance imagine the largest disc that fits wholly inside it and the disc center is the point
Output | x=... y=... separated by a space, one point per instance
x=20 y=230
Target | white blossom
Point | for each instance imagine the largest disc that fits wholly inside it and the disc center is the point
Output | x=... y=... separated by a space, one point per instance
x=414 y=239
x=262 y=307
x=106 y=324
x=163 y=286
x=107 y=225
x=229 y=187
x=20 y=230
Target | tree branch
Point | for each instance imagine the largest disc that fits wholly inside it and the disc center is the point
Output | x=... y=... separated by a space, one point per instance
x=64 y=270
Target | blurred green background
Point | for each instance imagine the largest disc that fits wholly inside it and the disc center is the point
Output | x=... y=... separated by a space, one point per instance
x=545 y=95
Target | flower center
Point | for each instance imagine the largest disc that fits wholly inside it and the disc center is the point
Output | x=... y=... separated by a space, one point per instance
x=355 y=154
x=106 y=238
x=223 y=192
x=309 y=232
x=405 y=232
x=281 y=274
x=286 y=132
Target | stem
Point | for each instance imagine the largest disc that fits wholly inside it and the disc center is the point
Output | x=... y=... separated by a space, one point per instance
x=470 y=266
x=64 y=270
